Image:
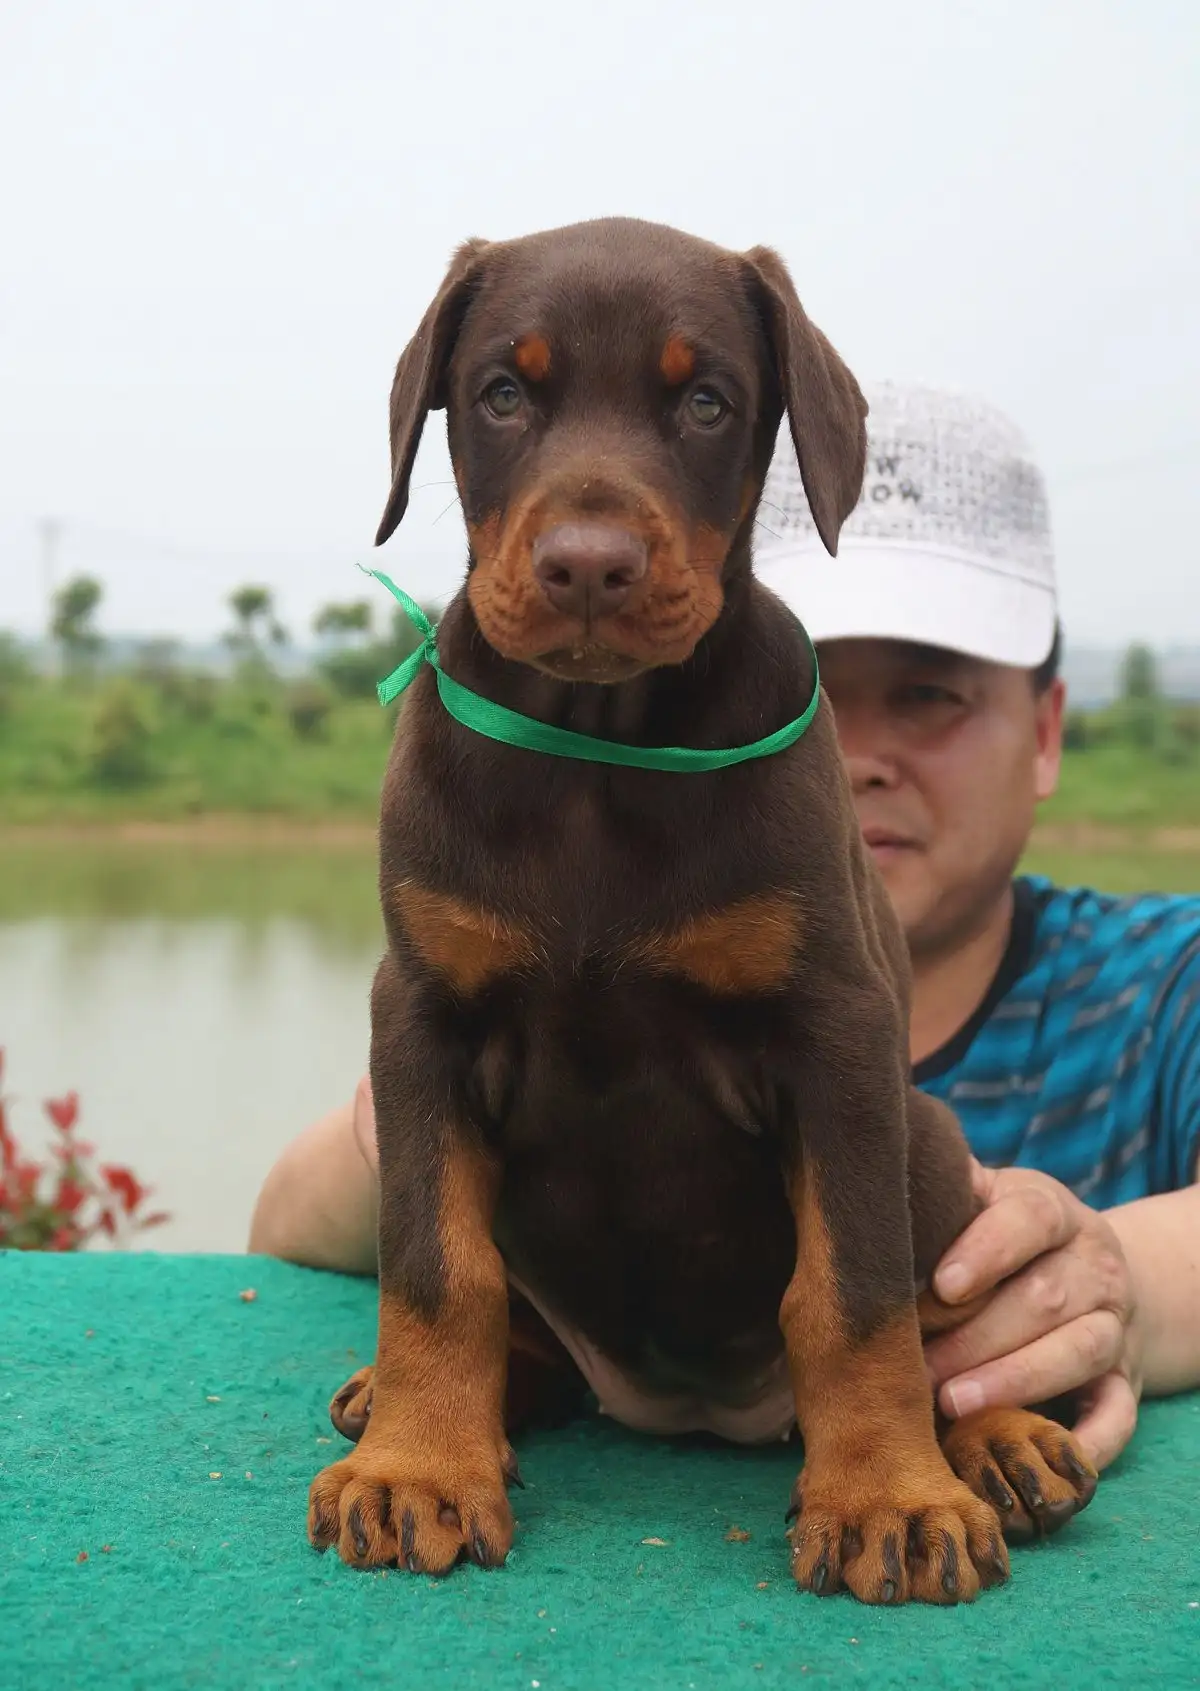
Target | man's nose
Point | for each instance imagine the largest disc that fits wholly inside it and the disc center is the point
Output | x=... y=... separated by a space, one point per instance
x=869 y=771
x=866 y=751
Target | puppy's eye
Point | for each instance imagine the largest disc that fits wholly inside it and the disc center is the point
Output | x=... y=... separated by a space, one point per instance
x=502 y=397
x=706 y=408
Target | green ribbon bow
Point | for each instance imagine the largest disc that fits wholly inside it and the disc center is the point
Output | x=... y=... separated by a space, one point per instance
x=497 y=722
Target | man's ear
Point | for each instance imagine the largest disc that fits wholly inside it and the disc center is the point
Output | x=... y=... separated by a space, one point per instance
x=1050 y=706
x=419 y=383
x=825 y=407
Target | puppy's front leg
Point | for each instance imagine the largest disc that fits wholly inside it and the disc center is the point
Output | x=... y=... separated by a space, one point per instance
x=427 y=1482
x=877 y=1508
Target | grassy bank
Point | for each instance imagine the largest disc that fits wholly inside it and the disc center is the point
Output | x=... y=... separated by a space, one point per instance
x=1126 y=787
x=326 y=879
x=175 y=748
x=127 y=750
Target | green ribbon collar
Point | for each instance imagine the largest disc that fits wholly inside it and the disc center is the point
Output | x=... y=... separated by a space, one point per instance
x=496 y=722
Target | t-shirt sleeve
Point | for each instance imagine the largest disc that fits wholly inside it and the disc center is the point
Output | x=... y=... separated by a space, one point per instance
x=1178 y=1135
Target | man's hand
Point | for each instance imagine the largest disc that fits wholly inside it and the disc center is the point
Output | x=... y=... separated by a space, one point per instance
x=1063 y=1317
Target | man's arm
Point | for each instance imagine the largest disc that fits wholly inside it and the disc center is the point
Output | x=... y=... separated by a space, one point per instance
x=1161 y=1241
x=319 y=1204
x=1101 y=1305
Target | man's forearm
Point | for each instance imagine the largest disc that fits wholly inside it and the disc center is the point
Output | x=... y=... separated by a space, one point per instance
x=319 y=1203
x=1161 y=1240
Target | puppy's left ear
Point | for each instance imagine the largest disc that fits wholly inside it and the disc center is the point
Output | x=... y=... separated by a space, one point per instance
x=825 y=407
x=419 y=383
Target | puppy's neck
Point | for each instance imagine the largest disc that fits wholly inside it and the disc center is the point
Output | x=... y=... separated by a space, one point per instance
x=693 y=703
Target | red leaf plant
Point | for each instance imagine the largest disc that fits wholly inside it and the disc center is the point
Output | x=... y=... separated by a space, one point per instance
x=62 y=1203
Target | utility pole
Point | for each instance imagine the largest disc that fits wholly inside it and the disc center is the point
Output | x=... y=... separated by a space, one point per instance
x=51 y=532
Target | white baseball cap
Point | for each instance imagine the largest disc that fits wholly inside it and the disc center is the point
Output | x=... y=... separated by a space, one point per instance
x=948 y=546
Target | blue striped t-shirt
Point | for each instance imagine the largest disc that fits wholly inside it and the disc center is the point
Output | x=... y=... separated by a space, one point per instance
x=1084 y=1058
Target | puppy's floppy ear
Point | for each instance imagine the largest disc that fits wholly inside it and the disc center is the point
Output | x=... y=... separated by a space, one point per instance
x=826 y=410
x=419 y=383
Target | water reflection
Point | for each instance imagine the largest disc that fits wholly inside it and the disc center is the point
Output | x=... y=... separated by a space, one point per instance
x=206 y=1005
x=207 y=1001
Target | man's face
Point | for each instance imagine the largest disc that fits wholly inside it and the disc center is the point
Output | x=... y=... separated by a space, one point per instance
x=948 y=757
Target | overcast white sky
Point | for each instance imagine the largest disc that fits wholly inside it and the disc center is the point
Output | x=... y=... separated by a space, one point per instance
x=219 y=222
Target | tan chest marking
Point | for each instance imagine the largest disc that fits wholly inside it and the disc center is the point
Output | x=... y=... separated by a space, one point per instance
x=750 y=946
x=468 y=945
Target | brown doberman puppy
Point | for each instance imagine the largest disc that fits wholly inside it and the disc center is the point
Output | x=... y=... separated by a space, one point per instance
x=640 y=1039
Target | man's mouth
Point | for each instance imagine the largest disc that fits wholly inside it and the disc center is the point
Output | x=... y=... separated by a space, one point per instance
x=886 y=844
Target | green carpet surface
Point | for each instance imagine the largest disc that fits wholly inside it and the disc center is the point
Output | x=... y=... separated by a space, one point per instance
x=160 y=1431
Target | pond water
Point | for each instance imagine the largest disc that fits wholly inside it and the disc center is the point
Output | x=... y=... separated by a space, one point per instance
x=206 y=1005
x=208 y=1001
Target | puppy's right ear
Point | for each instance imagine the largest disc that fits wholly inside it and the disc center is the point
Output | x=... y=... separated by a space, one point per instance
x=419 y=383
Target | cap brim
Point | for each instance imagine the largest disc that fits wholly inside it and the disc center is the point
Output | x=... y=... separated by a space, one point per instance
x=876 y=591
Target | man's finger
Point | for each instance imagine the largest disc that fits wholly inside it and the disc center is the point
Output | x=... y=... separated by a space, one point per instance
x=1106 y=1425
x=1061 y=1361
x=1052 y=1291
x=1019 y=1225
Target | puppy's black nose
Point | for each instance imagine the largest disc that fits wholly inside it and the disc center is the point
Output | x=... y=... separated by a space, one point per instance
x=587 y=569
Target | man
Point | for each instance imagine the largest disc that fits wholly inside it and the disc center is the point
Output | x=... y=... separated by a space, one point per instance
x=1063 y=1026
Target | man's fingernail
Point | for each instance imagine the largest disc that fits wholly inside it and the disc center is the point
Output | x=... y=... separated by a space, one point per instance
x=966 y=1396
x=951 y=1281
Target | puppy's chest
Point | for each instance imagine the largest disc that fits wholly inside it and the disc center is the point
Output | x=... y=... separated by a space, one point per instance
x=743 y=947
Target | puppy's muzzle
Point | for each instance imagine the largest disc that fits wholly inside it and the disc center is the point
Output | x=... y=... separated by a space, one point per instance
x=588 y=570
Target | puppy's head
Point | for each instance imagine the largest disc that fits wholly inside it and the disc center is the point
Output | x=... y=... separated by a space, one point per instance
x=613 y=392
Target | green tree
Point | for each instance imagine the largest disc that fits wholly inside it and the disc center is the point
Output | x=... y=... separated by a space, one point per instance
x=1140 y=708
x=255 y=625
x=354 y=669
x=338 y=623
x=72 y=621
x=1139 y=674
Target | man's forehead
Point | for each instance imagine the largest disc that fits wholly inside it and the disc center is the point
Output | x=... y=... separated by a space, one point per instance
x=933 y=657
x=871 y=655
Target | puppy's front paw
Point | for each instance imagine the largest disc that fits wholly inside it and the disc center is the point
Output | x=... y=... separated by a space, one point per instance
x=894 y=1538
x=389 y=1505
x=1029 y=1469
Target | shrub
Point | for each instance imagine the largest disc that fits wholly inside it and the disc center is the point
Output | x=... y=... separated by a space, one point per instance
x=63 y=1203
x=16 y=671
x=122 y=734
x=308 y=708
x=192 y=695
x=188 y=693
x=1077 y=731
x=355 y=671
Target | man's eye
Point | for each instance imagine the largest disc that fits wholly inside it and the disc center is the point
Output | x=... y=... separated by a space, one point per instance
x=502 y=397
x=706 y=407
x=929 y=693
